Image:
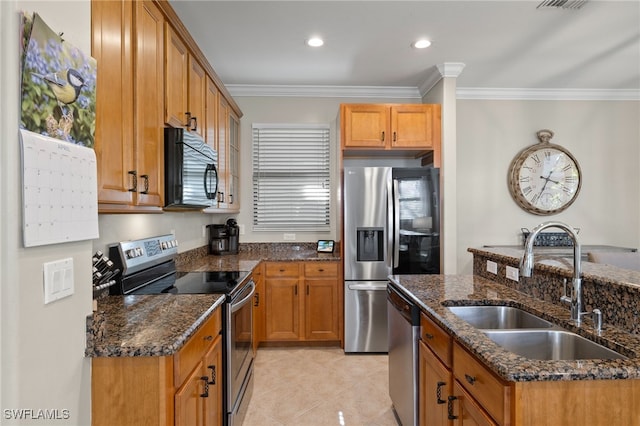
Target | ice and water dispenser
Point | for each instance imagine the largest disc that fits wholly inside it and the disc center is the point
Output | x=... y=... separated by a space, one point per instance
x=370 y=244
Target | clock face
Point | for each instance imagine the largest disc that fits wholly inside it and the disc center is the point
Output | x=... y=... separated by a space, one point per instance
x=544 y=179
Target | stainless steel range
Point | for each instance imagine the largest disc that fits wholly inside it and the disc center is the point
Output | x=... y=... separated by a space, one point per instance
x=148 y=267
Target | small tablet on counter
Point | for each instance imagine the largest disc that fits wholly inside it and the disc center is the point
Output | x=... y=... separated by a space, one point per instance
x=325 y=246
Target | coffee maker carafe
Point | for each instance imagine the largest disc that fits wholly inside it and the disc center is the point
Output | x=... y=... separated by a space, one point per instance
x=218 y=239
x=232 y=231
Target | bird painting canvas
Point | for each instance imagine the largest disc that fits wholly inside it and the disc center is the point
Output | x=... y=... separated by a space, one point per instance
x=58 y=85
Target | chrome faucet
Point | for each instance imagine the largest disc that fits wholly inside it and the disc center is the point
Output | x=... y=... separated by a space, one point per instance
x=526 y=267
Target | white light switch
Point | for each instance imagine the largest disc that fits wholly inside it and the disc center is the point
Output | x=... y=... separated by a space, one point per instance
x=58 y=279
x=289 y=237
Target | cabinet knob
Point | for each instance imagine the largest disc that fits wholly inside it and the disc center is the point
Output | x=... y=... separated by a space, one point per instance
x=450 y=407
x=208 y=338
x=134 y=180
x=470 y=379
x=205 y=394
x=439 y=399
x=213 y=374
x=429 y=336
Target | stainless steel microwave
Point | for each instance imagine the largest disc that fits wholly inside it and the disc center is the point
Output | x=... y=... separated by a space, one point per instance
x=191 y=176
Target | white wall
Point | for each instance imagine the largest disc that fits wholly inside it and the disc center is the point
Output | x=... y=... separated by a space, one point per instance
x=604 y=137
x=292 y=110
x=42 y=347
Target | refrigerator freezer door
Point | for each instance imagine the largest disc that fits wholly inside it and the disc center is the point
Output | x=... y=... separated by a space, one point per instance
x=365 y=321
x=367 y=235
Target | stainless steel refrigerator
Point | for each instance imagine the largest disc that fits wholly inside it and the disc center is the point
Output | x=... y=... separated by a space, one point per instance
x=391 y=226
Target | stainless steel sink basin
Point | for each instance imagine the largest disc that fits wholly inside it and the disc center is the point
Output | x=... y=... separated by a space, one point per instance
x=499 y=317
x=550 y=345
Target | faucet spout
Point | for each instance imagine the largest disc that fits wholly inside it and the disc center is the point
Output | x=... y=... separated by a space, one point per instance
x=526 y=263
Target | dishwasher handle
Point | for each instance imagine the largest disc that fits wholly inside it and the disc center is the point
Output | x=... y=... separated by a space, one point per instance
x=409 y=310
x=368 y=286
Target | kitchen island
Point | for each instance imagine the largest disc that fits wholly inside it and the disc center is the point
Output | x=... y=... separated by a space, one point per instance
x=467 y=377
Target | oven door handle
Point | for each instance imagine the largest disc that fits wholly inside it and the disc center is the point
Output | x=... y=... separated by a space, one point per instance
x=238 y=305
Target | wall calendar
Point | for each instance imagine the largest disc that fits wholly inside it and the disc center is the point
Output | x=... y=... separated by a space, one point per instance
x=59 y=197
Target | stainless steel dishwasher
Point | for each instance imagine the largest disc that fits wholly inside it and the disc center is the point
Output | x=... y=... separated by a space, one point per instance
x=403 y=318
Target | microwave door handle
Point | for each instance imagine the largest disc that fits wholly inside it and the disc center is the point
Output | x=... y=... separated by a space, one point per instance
x=210 y=167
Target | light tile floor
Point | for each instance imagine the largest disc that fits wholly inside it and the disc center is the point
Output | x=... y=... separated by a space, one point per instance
x=319 y=386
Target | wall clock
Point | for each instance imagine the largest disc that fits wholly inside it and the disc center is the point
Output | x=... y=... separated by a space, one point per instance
x=544 y=178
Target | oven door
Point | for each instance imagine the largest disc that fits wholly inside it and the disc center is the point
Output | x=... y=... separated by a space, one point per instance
x=239 y=352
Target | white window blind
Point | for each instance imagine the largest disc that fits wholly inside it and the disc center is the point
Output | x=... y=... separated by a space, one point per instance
x=291 y=177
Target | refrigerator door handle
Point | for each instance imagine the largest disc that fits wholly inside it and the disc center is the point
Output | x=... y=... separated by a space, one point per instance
x=396 y=225
x=390 y=231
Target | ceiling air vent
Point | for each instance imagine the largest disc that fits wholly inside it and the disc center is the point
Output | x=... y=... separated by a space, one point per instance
x=561 y=4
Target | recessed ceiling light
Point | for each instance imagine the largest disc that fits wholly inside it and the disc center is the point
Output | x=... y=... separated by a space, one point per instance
x=421 y=44
x=315 y=42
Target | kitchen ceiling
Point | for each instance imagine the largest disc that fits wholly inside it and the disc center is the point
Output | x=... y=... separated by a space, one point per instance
x=510 y=45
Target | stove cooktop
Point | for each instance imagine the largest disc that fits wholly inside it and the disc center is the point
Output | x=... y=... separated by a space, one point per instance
x=218 y=282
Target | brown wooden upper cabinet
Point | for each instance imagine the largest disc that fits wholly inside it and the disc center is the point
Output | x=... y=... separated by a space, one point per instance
x=129 y=135
x=390 y=126
x=185 y=86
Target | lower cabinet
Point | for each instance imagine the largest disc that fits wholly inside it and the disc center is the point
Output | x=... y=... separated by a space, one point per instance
x=457 y=389
x=302 y=301
x=183 y=390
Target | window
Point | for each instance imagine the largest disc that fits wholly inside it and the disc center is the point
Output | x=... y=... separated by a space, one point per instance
x=291 y=177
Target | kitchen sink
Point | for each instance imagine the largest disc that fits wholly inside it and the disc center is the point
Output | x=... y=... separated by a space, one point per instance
x=550 y=345
x=499 y=317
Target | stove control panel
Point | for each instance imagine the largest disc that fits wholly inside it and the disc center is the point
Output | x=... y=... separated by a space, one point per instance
x=137 y=255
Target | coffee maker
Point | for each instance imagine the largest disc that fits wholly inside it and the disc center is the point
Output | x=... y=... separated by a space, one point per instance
x=223 y=239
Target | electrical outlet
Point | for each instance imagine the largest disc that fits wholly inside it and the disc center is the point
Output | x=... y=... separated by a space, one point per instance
x=513 y=273
x=241 y=229
x=289 y=237
x=204 y=231
x=492 y=267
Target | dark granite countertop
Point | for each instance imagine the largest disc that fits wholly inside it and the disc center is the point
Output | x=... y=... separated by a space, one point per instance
x=433 y=292
x=157 y=325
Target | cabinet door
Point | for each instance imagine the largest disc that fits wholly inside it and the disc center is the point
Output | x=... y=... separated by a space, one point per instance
x=435 y=388
x=233 y=162
x=223 y=151
x=365 y=126
x=466 y=410
x=412 y=126
x=190 y=399
x=111 y=24
x=149 y=141
x=321 y=309
x=213 y=370
x=197 y=93
x=175 y=86
x=282 y=309
x=211 y=115
x=258 y=307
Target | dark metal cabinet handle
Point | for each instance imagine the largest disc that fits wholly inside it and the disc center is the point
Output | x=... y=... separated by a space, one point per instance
x=295 y=291
x=439 y=399
x=470 y=379
x=395 y=138
x=146 y=184
x=213 y=374
x=205 y=394
x=429 y=336
x=134 y=180
x=450 y=407
x=257 y=298
x=382 y=136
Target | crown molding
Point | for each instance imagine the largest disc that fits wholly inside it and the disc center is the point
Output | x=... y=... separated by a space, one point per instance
x=244 y=90
x=548 y=94
x=468 y=93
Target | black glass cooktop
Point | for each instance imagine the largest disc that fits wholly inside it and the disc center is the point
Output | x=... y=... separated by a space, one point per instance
x=219 y=282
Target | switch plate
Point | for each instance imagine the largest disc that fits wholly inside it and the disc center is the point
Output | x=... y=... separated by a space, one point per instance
x=58 y=279
x=513 y=273
x=289 y=237
x=492 y=267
